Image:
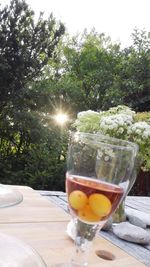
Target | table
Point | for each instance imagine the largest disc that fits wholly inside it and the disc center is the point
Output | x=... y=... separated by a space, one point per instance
x=41 y=223
x=142 y=253
x=33 y=208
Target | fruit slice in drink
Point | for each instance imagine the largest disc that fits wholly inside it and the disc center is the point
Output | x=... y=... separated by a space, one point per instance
x=92 y=201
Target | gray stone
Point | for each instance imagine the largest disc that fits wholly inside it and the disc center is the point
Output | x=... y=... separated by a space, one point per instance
x=132 y=233
x=145 y=217
x=136 y=221
x=148 y=247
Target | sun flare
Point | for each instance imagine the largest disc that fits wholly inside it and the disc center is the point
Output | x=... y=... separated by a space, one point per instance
x=61 y=118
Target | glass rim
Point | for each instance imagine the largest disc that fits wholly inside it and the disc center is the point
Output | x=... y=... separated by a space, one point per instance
x=124 y=143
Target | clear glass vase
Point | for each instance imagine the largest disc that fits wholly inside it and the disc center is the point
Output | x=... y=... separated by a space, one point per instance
x=120 y=215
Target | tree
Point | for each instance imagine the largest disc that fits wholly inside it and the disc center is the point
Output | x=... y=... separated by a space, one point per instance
x=89 y=68
x=132 y=82
x=26 y=47
x=100 y=74
x=96 y=74
x=139 y=72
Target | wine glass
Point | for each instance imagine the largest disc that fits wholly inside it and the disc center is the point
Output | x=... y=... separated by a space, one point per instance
x=98 y=176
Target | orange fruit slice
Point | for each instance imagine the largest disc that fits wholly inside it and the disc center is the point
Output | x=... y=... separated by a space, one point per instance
x=100 y=204
x=78 y=199
x=86 y=214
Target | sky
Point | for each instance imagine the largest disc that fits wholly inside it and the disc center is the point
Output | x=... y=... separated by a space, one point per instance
x=115 y=18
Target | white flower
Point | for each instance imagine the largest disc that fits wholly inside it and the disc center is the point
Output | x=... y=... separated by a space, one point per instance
x=113 y=126
x=86 y=113
x=129 y=131
x=110 y=153
x=141 y=129
x=138 y=131
x=102 y=124
x=118 y=122
x=121 y=130
x=114 y=122
x=99 y=154
x=146 y=134
x=106 y=158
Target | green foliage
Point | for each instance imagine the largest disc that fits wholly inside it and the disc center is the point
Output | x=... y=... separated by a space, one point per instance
x=25 y=48
x=42 y=73
x=97 y=74
x=41 y=166
x=29 y=153
x=92 y=63
x=142 y=116
x=134 y=73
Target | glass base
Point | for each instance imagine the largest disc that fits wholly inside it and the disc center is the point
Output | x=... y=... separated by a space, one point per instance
x=9 y=196
x=15 y=253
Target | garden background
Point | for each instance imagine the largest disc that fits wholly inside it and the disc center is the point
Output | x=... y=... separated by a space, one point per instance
x=44 y=71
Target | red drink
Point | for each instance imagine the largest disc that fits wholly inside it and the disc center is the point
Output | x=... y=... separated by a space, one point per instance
x=91 y=200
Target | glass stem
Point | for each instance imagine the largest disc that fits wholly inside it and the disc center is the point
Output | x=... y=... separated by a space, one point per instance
x=85 y=234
